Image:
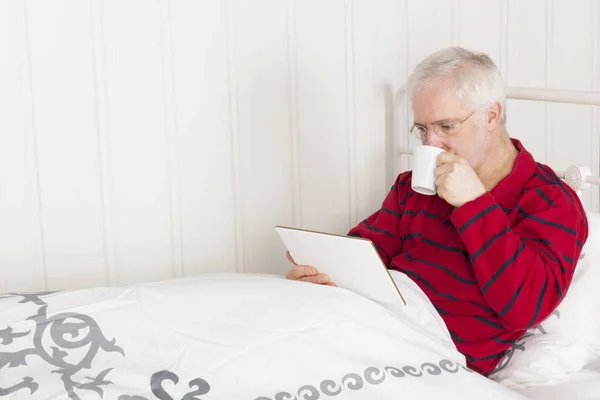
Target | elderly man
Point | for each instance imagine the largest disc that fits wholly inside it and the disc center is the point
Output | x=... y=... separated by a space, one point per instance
x=495 y=250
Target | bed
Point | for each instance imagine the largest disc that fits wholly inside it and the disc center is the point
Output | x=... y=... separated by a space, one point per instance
x=230 y=337
x=262 y=337
x=256 y=337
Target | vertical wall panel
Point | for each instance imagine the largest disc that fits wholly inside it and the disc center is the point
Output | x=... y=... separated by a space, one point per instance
x=323 y=141
x=595 y=165
x=292 y=66
x=429 y=28
x=570 y=67
x=264 y=129
x=423 y=19
x=368 y=133
x=527 y=68
x=171 y=131
x=138 y=141
x=479 y=26
x=379 y=70
x=349 y=44
x=232 y=87
x=203 y=135
x=21 y=245
x=62 y=68
x=103 y=139
x=401 y=115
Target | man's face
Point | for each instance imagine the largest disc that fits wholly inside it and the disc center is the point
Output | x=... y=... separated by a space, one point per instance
x=435 y=104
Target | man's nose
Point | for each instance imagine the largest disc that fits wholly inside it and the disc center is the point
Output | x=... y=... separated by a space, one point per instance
x=432 y=139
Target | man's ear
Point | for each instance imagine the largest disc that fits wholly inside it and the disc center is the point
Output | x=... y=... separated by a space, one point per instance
x=493 y=116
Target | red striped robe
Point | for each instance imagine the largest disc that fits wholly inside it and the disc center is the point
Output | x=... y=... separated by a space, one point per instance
x=493 y=268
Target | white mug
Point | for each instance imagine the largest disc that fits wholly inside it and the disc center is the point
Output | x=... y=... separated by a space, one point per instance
x=423 y=177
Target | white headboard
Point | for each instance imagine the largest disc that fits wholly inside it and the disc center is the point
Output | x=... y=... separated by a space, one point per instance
x=578 y=177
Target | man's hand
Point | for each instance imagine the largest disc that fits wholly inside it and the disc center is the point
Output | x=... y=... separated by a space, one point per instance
x=456 y=181
x=306 y=273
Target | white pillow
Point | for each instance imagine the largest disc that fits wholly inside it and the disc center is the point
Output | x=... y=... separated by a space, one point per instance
x=542 y=359
x=577 y=316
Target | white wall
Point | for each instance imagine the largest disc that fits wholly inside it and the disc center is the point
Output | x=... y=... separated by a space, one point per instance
x=144 y=140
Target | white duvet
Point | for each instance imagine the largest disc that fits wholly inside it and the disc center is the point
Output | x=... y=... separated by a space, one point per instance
x=230 y=337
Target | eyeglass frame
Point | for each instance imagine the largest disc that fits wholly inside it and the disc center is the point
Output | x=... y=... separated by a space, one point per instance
x=450 y=127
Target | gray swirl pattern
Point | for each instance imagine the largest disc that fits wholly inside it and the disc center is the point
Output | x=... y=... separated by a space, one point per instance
x=352 y=381
x=373 y=376
x=64 y=332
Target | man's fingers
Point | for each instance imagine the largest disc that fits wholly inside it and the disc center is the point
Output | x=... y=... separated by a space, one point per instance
x=300 y=271
x=307 y=273
x=445 y=157
x=440 y=179
x=321 y=279
x=443 y=169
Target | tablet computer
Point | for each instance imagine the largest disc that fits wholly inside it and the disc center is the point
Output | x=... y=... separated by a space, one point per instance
x=352 y=263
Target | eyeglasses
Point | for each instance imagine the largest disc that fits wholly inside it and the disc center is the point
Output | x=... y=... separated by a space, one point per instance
x=442 y=129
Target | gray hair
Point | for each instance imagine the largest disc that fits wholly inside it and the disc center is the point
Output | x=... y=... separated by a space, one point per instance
x=477 y=80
